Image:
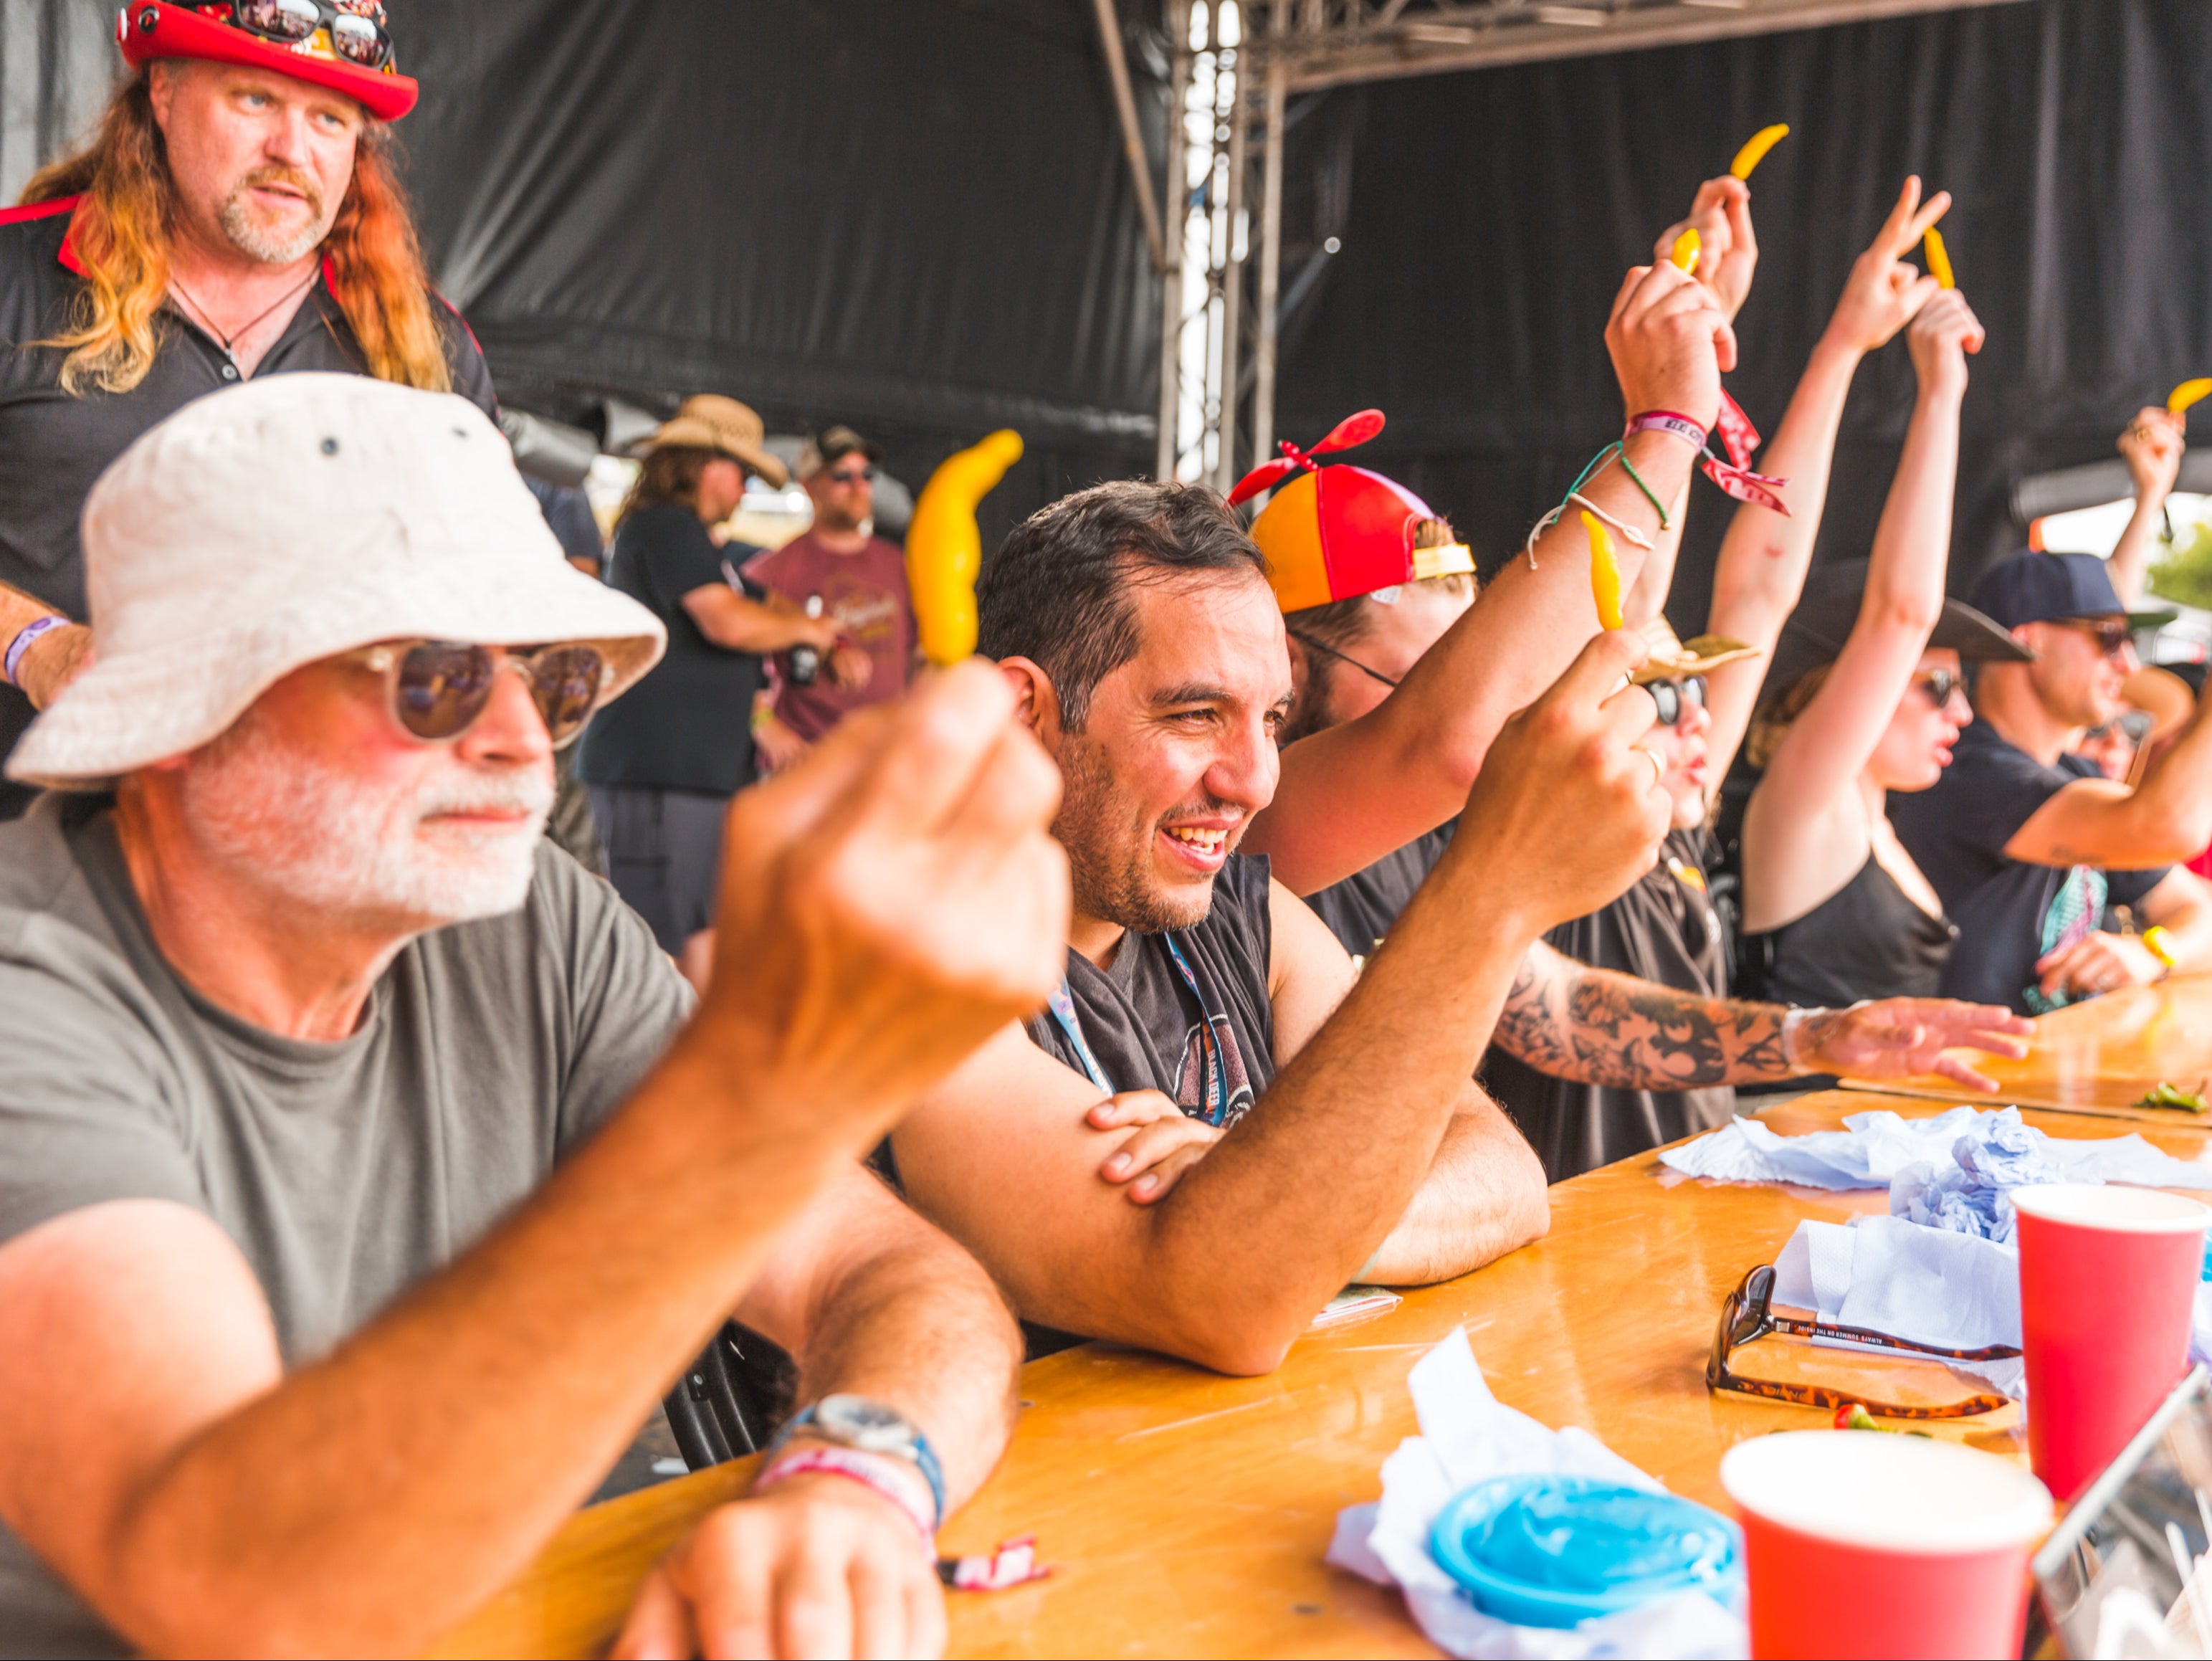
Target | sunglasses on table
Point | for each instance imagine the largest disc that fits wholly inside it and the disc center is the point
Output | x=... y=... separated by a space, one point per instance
x=356 y=28
x=1677 y=697
x=439 y=688
x=2112 y=636
x=1748 y=1316
x=1312 y=645
x=1939 y=685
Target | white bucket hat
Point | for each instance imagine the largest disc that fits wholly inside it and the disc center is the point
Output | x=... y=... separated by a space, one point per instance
x=289 y=520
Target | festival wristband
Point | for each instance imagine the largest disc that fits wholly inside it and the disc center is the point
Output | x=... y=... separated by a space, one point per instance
x=1667 y=420
x=869 y=1470
x=2160 y=945
x=23 y=643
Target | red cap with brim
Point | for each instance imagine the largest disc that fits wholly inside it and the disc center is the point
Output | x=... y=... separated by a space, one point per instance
x=150 y=30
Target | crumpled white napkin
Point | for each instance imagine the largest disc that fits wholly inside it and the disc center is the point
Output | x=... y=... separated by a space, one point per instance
x=1468 y=1435
x=1879 y=1145
x=1933 y=1285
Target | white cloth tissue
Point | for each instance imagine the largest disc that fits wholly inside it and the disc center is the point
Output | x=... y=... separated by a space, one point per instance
x=1468 y=1436
x=1928 y=1285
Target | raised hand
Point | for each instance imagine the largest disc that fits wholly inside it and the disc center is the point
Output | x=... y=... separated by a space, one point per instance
x=1902 y=1037
x=1727 y=251
x=2152 y=446
x=1168 y=1142
x=887 y=905
x=1670 y=343
x=1883 y=293
x=1940 y=337
x=1567 y=810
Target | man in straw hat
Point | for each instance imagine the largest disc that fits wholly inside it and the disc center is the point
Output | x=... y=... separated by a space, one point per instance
x=237 y=213
x=662 y=764
x=367 y=1172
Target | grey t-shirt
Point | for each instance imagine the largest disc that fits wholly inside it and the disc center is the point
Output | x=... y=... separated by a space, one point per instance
x=344 y=1171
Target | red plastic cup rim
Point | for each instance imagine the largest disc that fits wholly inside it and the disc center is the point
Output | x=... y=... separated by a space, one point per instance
x=2112 y=1207
x=1911 y=1496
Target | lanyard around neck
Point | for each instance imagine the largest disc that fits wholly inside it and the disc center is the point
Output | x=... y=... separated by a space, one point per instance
x=1214 y=1067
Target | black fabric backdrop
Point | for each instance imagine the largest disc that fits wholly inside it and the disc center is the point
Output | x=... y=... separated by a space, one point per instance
x=1493 y=215
x=915 y=217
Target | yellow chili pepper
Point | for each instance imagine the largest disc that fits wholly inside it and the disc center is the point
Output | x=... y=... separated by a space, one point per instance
x=1939 y=259
x=1605 y=572
x=944 y=546
x=1687 y=247
x=2188 y=392
x=1755 y=151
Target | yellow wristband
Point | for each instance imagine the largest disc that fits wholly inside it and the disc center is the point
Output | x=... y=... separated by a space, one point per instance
x=2157 y=942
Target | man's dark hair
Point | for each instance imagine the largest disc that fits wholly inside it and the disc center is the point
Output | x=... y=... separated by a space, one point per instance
x=1058 y=590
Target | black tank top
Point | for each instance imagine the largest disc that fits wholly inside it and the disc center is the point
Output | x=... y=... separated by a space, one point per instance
x=1867 y=940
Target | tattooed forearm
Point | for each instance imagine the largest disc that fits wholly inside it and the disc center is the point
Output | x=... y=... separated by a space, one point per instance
x=1594 y=1026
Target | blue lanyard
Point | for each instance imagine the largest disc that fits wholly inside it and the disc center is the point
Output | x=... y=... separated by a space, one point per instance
x=1215 y=1074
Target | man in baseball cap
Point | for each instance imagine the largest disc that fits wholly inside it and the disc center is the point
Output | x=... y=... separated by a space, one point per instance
x=2047 y=867
x=236 y=214
x=367 y=1172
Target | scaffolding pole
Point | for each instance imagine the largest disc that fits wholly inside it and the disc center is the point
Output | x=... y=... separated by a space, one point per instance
x=1175 y=200
x=1270 y=241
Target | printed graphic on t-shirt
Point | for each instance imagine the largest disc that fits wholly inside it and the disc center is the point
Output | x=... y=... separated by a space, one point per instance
x=870 y=613
x=2074 y=912
x=1191 y=1093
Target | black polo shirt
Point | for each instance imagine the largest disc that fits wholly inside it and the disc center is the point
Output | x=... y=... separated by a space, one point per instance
x=53 y=444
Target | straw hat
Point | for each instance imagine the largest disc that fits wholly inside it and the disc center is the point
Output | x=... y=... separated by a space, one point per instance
x=288 y=520
x=1675 y=659
x=710 y=421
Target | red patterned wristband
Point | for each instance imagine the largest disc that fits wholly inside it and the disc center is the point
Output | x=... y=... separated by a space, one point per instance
x=852 y=1463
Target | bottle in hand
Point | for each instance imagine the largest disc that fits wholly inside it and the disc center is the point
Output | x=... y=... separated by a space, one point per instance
x=805 y=661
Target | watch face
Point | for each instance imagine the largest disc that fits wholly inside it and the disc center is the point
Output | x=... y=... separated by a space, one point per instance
x=858 y=1422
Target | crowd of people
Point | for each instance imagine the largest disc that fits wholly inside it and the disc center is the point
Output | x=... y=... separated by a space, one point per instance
x=370 y=1168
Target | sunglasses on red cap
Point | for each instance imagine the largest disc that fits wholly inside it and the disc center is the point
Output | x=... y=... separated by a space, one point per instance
x=355 y=28
x=437 y=688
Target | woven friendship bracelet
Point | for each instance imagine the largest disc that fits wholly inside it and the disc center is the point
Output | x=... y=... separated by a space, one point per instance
x=851 y=1462
x=1667 y=420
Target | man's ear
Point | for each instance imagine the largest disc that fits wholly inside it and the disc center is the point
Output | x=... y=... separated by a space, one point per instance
x=1037 y=701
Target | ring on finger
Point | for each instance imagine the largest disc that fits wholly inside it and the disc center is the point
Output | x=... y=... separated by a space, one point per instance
x=1658 y=764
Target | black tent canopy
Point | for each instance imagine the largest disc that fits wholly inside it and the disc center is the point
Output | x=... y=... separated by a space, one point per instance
x=921 y=219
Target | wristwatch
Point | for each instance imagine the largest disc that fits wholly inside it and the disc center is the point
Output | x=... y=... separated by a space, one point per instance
x=856 y=1422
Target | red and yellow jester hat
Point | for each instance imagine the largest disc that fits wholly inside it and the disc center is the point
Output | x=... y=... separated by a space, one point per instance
x=1339 y=532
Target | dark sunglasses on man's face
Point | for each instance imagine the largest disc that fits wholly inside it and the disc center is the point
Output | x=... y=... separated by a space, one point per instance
x=1939 y=684
x=2112 y=638
x=356 y=27
x=1676 y=698
x=854 y=476
x=439 y=688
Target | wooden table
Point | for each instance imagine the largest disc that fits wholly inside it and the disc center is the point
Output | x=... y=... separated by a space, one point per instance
x=1186 y=1514
x=2102 y=1056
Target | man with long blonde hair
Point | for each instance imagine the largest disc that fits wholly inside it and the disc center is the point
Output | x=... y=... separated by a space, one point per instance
x=236 y=214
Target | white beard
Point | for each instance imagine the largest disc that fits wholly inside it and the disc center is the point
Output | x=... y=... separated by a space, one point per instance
x=330 y=841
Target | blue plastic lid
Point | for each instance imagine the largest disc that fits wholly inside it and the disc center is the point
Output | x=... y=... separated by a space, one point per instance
x=1553 y=1551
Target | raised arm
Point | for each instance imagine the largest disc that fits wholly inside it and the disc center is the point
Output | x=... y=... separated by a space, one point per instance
x=1300 y=1196
x=2152 y=446
x=884 y=909
x=1594 y=1026
x=1806 y=830
x=1351 y=794
x=2165 y=819
x=1765 y=555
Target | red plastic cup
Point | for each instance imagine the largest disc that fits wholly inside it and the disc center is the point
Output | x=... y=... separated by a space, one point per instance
x=2107 y=1279
x=1861 y=1543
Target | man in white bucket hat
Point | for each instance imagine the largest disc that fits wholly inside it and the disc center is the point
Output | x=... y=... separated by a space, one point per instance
x=352 y=1217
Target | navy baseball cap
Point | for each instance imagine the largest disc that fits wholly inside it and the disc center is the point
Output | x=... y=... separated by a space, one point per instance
x=2030 y=586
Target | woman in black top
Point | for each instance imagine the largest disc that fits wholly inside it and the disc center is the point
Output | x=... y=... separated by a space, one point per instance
x=663 y=762
x=1835 y=909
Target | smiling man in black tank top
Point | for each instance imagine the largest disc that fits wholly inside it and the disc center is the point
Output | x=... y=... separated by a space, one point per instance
x=1136 y=623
